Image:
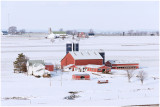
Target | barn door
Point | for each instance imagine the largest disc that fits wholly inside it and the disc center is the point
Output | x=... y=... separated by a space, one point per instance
x=82 y=78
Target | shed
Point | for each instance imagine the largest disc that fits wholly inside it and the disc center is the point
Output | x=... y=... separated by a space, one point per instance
x=81 y=76
x=98 y=68
x=49 y=66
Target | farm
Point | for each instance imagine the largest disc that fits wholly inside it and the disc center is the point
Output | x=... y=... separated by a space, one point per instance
x=21 y=89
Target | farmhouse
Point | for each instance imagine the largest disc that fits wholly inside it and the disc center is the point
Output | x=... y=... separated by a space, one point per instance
x=81 y=76
x=115 y=64
x=36 y=68
x=98 y=68
x=82 y=58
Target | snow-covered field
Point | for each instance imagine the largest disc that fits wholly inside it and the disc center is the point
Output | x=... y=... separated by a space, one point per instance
x=51 y=92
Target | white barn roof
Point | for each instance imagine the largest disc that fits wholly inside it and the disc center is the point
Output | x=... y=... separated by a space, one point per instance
x=121 y=62
x=86 y=55
x=94 y=66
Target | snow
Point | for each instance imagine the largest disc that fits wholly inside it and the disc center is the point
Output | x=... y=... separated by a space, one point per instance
x=51 y=91
x=85 y=55
x=121 y=62
x=94 y=66
x=81 y=74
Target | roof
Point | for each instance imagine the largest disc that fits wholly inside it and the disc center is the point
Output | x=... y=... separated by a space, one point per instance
x=85 y=55
x=59 y=32
x=48 y=63
x=36 y=62
x=68 y=66
x=94 y=66
x=81 y=74
x=121 y=62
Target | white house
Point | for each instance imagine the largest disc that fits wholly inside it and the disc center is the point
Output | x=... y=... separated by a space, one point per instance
x=36 y=68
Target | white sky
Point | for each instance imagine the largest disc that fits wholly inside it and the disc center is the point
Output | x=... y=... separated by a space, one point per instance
x=104 y=15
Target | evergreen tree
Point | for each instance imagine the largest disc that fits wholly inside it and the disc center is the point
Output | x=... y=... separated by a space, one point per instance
x=20 y=63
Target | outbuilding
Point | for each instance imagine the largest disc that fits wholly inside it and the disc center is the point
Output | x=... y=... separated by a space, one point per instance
x=49 y=66
x=70 y=67
x=98 y=68
x=81 y=76
x=82 y=58
x=115 y=64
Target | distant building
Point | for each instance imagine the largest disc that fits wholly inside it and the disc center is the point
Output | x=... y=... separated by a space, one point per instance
x=81 y=35
x=60 y=33
x=91 y=34
x=4 y=33
x=115 y=64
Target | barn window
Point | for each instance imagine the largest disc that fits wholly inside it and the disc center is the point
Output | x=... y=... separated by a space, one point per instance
x=99 y=69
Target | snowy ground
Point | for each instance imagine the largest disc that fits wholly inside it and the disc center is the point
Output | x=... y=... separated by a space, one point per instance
x=51 y=92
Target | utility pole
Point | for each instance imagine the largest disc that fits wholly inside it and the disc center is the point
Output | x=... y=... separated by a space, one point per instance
x=8 y=20
x=50 y=82
x=61 y=77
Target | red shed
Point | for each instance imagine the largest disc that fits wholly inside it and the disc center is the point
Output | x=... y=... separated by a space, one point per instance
x=49 y=66
x=81 y=76
x=98 y=68
x=82 y=58
x=114 y=64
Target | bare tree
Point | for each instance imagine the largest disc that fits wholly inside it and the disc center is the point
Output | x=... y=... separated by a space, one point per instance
x=22 y=31
x=141 y=75
x=130 y=74
x=56 y=66
x=12 y=30
x=74 y=32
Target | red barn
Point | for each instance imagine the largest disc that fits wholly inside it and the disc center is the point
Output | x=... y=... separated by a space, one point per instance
x=114 y=64
x=98 y=68
x=81 y=76
x=81 y=35
x=82 y=58
x=49 y=66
